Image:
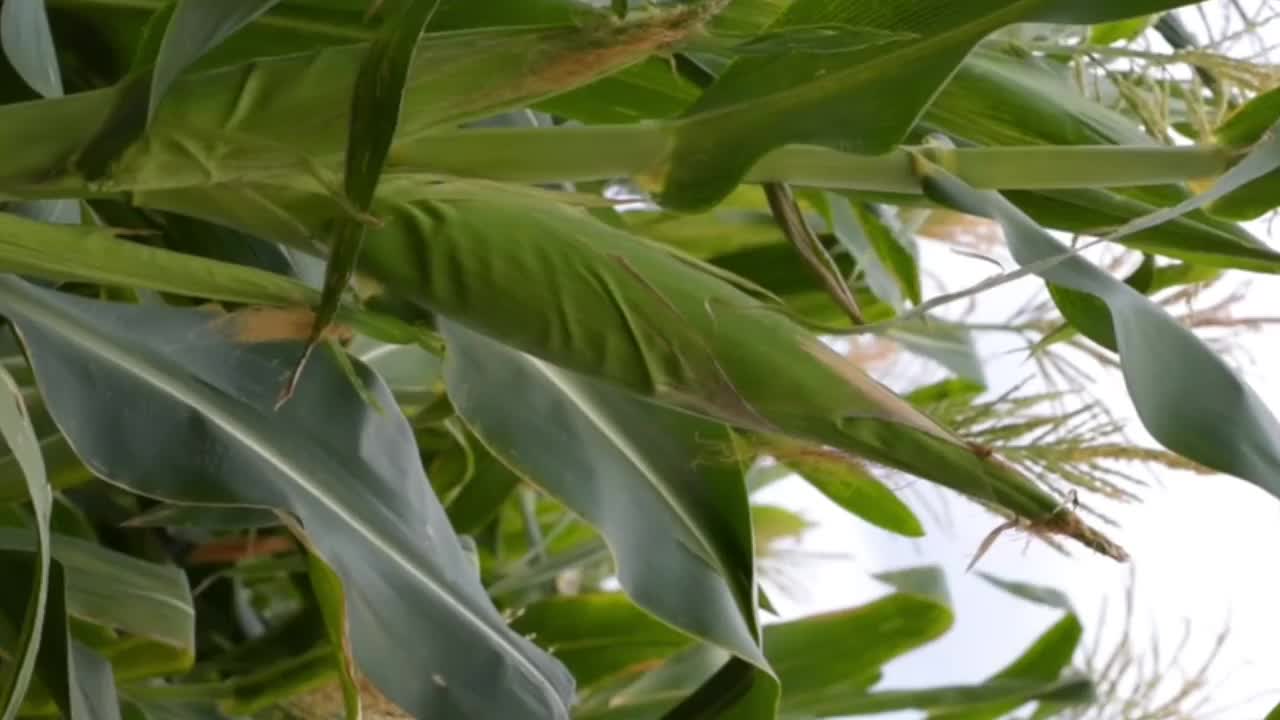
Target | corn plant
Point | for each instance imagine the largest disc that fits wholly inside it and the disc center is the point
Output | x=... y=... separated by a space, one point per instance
x=357 y=349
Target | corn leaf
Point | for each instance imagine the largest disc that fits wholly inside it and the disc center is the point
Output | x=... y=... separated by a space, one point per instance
x=650 y=322
x=1217 y=420
x=683 y=540
x=760 y=104
x=351 y=475
x=19 y=436
x=195 y=28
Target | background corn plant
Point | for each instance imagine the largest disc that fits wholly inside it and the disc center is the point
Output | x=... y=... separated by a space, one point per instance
x=359 y=350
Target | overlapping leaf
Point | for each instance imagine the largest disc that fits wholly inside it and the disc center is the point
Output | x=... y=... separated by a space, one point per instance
x=1213 y=418
x=759 y=104
x=350 y=474
x=19 y=436
x=663 y=488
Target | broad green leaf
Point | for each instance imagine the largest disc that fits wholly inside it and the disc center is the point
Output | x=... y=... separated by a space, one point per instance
x=293 y=116
x=848 y=484
x=1274 y=714
x=350 y=474
x=654 y=482
x=20 y=437
x=98 y=255
x=1215 y=419
x=760 y=104
x=194 y=29
x=591 y=298
x=814 y=677
x=599 y=635
x=1089 y=315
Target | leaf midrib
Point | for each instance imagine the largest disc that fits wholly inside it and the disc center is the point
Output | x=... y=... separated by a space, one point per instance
x=213 y=408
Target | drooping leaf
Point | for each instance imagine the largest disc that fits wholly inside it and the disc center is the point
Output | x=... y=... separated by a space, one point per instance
x=653 y=481
x=890 y=268
x=71 y=679
x=98 y=255
x=350 y=474
x=1215 y=418
x=28 y=44
x=27 y=41
x=375 y=113
x=657 y=325
x=1042 y=663
x=19 y=436
x=848 y=484
x=195 y=28
x=759 y=104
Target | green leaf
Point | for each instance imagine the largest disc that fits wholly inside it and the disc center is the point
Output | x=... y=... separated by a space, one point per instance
x=375 y=113
x=71 y=679
x=682 y=539
x=195 y=28
x=816 y=680
x=655 y=324
x=1006 y=693
x=1042 y=663
x=1089 y=315
x=28 y=44
x=947 y=344
x=98 y=255
x=890 y=267
x=20 y=437
x=1214 y=418
x=759 y=104
x=1120 y=30
x=848 y=484
x=598 y=636
x=350 y=474
x=120 y=592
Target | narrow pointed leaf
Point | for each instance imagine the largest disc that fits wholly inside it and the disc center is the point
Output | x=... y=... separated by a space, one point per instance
x=28 y=45
x=20 y=437
x=375 y=113
x=760 y=104
x=675 y=516
x=121 y=592
x=626 y=311
x=1217 y=420
x=849 y=485
x=195 y=28
x=350 y=474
